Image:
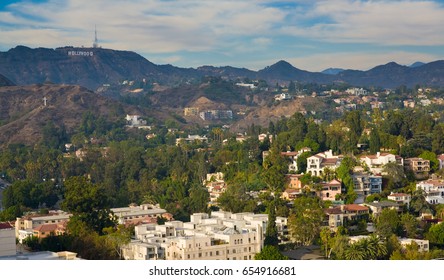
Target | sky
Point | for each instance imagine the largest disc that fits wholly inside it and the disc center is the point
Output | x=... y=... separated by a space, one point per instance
x=311 y=35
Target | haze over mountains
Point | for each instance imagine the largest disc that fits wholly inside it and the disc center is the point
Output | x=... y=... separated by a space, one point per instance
x=93 y=67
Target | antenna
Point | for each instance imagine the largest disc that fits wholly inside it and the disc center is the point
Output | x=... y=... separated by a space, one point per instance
x=96 y=42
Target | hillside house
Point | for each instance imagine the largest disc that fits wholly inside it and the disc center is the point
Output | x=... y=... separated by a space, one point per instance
x=365 y=184
x=336 y=216
x=376 y=162
x=330 y=190
x=293 y=157
x=400 y=198
x=317 y=163
x=420 y=167
x=433 y=190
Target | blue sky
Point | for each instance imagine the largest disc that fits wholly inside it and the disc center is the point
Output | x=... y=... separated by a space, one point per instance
x=312 y=35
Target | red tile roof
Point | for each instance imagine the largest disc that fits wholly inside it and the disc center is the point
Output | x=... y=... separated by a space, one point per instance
x=46 y=227
x=398 y=194
x=355 y=207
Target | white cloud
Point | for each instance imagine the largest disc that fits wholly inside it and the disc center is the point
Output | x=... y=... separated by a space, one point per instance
x=377 y=22
x=153 y=26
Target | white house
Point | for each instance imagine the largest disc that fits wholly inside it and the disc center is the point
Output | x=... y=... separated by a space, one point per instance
x=317 y=163
x=400 y=198
x=433 y=190
x=293 y=157
x=377 y=162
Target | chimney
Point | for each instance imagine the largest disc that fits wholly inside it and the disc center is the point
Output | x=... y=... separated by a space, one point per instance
x=378 y=154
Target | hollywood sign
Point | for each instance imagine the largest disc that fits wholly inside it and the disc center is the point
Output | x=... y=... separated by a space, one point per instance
x=80 y=53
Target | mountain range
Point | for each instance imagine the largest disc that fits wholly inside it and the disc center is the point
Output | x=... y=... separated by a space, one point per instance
x=94 y=67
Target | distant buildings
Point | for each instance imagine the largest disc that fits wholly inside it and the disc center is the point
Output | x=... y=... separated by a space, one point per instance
x=356 y=91
x=191 y=138
x=216 y=115
x=136 y=214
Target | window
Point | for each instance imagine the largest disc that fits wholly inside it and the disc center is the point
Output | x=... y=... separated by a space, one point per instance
x=217 y=253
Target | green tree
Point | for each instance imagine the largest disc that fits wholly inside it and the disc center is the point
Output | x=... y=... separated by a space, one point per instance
x=271 y=233
x=436 y=234
x=409 y=224
x=374 y=142
x=88 y=203
x=305 y=220
x=388 y=223
x=431 y=156
x=270 y=252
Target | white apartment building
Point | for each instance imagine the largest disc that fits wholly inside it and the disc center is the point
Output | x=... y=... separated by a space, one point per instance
x=137 y=213
x=219 y=236
x=317 y=163
x=376 y=163
x=356 y=91
x=433 y=190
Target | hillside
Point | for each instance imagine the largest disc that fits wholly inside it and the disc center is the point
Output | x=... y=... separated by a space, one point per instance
x=23 y=114
x=263 y=115
x=95 y=67
x=4 y=82
x=88 y=67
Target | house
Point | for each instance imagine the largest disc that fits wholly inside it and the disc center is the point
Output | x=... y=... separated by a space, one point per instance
x=336 y=216
x=365 y=184
x=191 y=111
x=423 y=245
x=330 y=190
x=291 y=194
x=293 y=157
x=282 y=96
x=376 y=162
x=400 y=198
x=33 y=220
x=433 y=190
x=215 y=189
x=377 y=206
x=441 y=161
x=191 y=139
x=134 y=121
x=317 y=163
x=420 y=167
x=45 y=230
x=7 y=240
x=263 y=136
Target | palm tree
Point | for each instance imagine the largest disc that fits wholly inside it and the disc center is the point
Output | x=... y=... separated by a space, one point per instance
x=376 y=248
x=354 y=251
